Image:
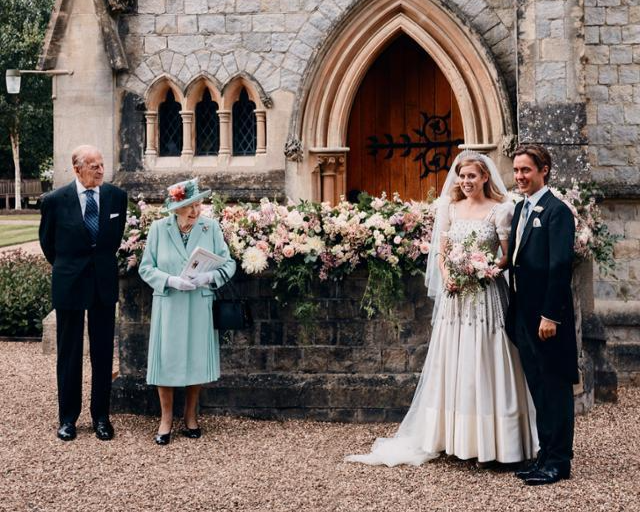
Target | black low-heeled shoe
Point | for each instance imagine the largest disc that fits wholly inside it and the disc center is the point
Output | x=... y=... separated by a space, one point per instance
x=192 y=433
x=162 y=439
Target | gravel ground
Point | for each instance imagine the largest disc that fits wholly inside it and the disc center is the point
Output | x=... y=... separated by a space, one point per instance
x=243 y=464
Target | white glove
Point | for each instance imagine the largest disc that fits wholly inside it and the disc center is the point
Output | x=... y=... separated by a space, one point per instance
x=180 y=284
x=202 y=280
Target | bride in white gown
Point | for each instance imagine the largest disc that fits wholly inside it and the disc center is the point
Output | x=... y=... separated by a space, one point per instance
x=472 y=400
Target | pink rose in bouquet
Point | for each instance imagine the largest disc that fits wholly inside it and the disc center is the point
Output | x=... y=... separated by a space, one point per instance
x=470 y=267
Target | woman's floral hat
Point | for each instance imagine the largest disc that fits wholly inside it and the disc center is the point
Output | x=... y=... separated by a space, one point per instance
x=183 y=194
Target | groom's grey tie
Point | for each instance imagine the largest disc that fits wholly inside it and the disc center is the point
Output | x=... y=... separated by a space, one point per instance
x=524 y=217
x=522 y=222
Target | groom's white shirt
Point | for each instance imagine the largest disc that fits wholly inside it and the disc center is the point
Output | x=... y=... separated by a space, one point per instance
x=534 y=199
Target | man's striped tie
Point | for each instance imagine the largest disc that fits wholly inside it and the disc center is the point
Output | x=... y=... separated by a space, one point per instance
x=91 y=216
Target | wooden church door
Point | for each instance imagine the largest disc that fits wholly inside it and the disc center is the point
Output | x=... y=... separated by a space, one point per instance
x=404 y=126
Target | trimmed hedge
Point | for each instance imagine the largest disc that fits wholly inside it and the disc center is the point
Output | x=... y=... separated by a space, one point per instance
x=25 y=293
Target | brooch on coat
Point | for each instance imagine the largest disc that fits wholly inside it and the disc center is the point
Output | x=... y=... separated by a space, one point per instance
x=205 y=228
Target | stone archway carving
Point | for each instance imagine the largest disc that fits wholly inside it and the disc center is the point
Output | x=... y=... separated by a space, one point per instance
x=331 y=86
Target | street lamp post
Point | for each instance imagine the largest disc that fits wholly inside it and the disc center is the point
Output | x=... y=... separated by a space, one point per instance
x=13 y=78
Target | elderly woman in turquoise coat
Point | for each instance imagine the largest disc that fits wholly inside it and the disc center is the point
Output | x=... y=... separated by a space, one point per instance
x=183 y=342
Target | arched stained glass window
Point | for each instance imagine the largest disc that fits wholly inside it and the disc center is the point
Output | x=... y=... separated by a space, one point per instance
x=207 y=126
x=170 y=126
x=244 y=125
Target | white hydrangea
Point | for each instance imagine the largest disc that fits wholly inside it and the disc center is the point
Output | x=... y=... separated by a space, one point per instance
x=315 y=244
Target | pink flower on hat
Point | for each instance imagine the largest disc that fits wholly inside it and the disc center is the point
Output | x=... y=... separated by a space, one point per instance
x=177 y=193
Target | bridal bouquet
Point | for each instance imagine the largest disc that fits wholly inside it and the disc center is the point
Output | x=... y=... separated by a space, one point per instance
x=470 y=266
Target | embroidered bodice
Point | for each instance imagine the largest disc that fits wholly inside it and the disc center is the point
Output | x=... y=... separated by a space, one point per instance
x=494 y=227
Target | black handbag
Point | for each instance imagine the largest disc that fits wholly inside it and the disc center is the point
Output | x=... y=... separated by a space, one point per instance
x=233 y=313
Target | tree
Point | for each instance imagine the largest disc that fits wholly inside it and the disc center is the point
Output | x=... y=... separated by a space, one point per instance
x=25 y=119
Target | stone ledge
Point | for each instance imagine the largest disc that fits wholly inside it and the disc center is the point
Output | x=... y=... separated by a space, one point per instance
x=617 y=190
x=339 y=397
x=618 y=312
x=238 y=185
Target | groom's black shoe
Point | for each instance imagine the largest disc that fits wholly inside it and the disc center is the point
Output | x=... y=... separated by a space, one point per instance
x=67 y=432
x=549 y=474
x=529 y=469
x=103 y=430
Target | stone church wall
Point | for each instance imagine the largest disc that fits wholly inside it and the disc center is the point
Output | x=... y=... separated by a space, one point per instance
x=612 y=82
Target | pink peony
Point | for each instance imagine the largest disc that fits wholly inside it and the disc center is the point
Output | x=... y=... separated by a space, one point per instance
x=479 y=260
x=263 y=246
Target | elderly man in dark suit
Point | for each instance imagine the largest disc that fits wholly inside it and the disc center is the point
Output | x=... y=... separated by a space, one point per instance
x=80 y=232
x=540 y=319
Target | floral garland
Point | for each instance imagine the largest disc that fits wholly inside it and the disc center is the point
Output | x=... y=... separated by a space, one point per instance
x=311 y=242
x=308 y=243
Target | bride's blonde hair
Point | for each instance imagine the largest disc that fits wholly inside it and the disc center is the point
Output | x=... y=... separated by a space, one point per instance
x=490 y=189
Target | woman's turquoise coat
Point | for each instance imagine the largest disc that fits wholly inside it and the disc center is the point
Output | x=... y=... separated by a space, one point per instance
x=183 y=345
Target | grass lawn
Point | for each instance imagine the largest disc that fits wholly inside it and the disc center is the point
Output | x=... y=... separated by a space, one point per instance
x=18 y=234
x=34 y=216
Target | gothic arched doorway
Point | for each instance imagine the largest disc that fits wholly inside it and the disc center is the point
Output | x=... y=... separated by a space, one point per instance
x=404 y=126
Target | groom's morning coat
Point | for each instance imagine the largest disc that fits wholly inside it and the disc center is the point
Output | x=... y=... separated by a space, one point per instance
x=540 y=284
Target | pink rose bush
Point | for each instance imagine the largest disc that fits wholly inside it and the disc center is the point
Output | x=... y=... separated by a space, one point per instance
x=470 y=266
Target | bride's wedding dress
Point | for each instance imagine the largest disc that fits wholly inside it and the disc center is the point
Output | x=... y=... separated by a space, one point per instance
x=472 y=400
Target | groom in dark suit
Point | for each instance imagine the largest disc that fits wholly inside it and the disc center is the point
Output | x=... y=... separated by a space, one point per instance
x=80 y=231
x=540 y=318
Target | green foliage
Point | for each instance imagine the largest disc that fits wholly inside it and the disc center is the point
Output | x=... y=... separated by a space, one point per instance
x=293 y=283
x=25 y=293
x=384 y=291
x=218 y=203
x=22 y=27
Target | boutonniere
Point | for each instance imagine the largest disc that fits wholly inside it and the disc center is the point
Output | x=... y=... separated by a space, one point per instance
x=537 y=223
x=205 y=228
x=538 y=209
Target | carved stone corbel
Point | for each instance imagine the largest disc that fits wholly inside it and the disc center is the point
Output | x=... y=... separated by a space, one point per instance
x=329 y=174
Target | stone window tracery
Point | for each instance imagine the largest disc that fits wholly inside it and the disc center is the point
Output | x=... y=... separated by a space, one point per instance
x=170 y=127
x=244 y=125
x=203 y=122
x=207 y=126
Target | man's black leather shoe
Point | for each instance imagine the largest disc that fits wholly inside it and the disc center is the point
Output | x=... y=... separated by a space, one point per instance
x=104 y=430
x=548 y=475
x=529 y=469
x=67 y=432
